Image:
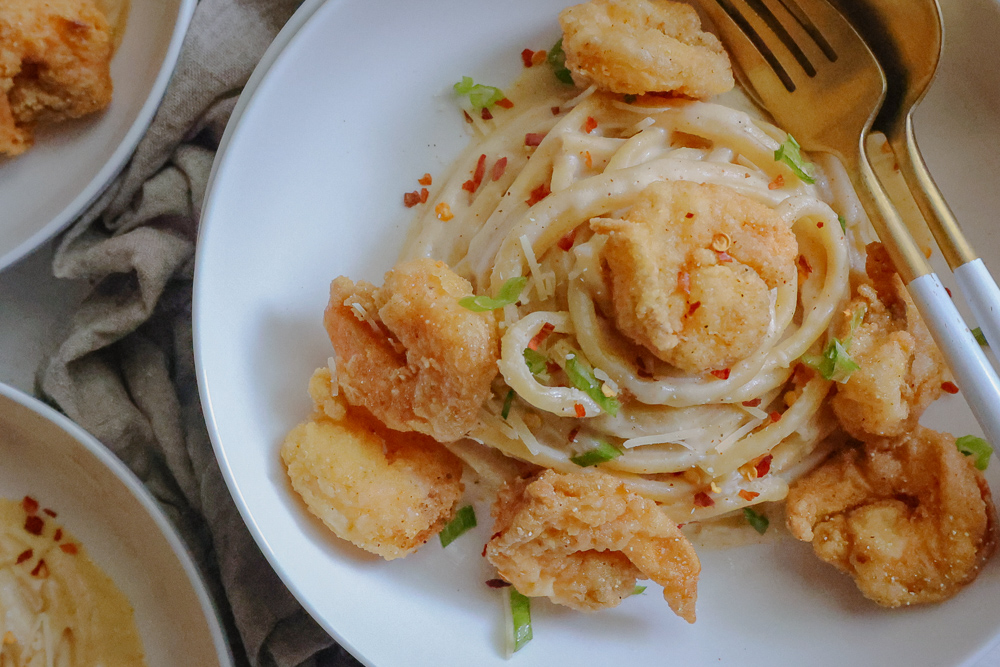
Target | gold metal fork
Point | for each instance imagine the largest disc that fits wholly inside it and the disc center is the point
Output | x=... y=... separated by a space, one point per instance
x=819 y=80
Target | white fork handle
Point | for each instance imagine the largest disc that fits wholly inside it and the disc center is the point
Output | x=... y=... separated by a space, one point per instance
x=983 y=296
x=974 y=373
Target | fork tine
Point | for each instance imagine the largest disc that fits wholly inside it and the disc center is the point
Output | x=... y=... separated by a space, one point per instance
x=819 y=17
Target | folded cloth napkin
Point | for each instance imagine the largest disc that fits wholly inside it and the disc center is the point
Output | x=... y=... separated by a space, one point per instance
x=125 y=372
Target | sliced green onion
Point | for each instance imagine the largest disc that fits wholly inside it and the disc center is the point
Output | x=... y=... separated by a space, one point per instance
x=759 y=522
x=557 y=59
x=583 y=379
x=507 y=402
x=518 y=619
x=603 y=452
x=465 y=519
x=481 y=97
x=843 y=222
x=638 y=590
x=791 y=154
x=834 y=364
x=509 y=294
x=857 y=317
x=537 y=363
x=980 y=338
x=971 y=445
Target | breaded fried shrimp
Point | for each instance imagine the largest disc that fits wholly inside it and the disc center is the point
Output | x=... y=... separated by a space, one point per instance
x=640 y=46
x=409 y=353
x=385 y=491
x=675 y=292
x=582 y=540
x=909 y=518
x=900 y=368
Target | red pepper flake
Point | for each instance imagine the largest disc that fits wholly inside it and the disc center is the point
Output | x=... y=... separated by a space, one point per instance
x=411 y=199
x=538 y=194
x=702 y=499
x=423 y=195
x=29 y=504
x=69 y=548
x=775 y=416
x=588 y=159
x=778 y=182
x=555 y=111
x=763 y=466
x=484 y=549
x=485 y=114
x=580 y=411
x=948 y=291
x=747 y=495
x=526 y=57
x=499 y=167
x=443 y=212
x=684 y=281
x=468 y=118
x=41 y=569
x=477 y=177
x=34 y=524
x=819 y=225
x=425 y=179
x=51 y=513
x=689 y=215
x=752 y=404
x=58 y=535
x=566 y=242
x=724 y=257
x=23 y=556
x=539 y=57
x=533 y=138
x=497 y=583
x=949 y=387
x=693 y=307
x=505 y=104
x=804 y=265
x=572 y=434
x=589 y=125
x=722 y=374
x=542 y=334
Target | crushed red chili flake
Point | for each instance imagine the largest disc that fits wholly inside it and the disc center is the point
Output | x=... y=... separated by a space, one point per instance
x=539 y=57
x=804 y=265
x=443 y=212
x=497 y=583
x=948 y=291
x=34 y=524
x=499 y=167
x=51 y=513
x=468 y=118
x=29 y=504
x=775 y=416
x=505 y=104
x=684 y=281
x=693 y=307
x=533 y=138
x=424 y=193
x=425 y=179
x=477 y=177
x=724 y=257
x=58 y=535
x=23 y=556
x=542 y=334
x=689 y=215
x=722 y=374
x=566 y=242
x=747 y=495
x=589 y=125
x=538 y=194
x=702 y=499
x=69 y=548
x=411 y=199
x=752 y=404
x=763 y=466
x=485 y=114
x=949 y=387
x=484 y=550
x=572 y=434
x=41 y=569
x=581 y=412
x=588 y=159
x=819 y=225
x=778 y=182
x=555 y=111
x=526 y=57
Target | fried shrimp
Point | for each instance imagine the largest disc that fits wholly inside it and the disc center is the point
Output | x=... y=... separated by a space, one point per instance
x=909 y=518
x=409 y=353
x=385 y=491
x=900 y=368
x=691 y=269
x=582 y=539
x=640 y=46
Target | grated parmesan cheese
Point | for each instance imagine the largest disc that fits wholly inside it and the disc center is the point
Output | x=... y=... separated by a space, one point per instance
x=331 y=363
x=731 y=439
x=672 y=438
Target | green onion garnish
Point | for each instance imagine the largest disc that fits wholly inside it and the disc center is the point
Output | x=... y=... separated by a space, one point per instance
x=971 y=445
x=843 y=222
x=835 y=363
x=759 y=522
x=507 y=402
x=583 y=379
x=638 y=590
x=557 y=59
x=536 y=361
x=977 y=333
x=464 y=520
x=791 y=154
x=509 y=294
x=520 y=617
x=481 y=97
x=603 y=452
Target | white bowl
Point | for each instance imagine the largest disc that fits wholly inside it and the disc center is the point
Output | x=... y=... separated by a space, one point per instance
x=70 y=164
x=100 y=501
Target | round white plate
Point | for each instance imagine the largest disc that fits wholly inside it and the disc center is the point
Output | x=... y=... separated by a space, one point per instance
x=43 y=190
x=99 y=500
x=337 y=126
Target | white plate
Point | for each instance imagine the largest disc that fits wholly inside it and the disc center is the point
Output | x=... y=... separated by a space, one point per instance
x=350 y=113
x=70 y=164
x=47 y=456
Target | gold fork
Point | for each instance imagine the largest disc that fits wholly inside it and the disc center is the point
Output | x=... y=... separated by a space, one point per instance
x=819 y=80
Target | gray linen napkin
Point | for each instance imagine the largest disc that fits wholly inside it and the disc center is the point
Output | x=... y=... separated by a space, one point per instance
x=126 y=370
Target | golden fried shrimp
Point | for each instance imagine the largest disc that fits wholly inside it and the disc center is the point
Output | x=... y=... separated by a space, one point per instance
x=640 y=46
x=582 y=540
x=900 y=370
x=909 y=518
x=409 y=353
x=54 y=64
x=385 y=491
x=691 y=269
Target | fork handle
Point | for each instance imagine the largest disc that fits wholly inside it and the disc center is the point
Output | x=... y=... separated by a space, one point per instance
x=983 y=296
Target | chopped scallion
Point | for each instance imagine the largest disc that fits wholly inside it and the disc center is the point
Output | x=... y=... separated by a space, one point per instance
x=465 y=519
x=583 y=379
x=758 y=521
x=603 y=452
x=537 y=363
x=843 y=222
x=980 y=338
x=507 y=402
x=971 y=445
x=638 y=590
x=557 y=59
x=520 y=619
x=481 y=97
x=509 y=294
x=834 y=364
x=791 y=154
